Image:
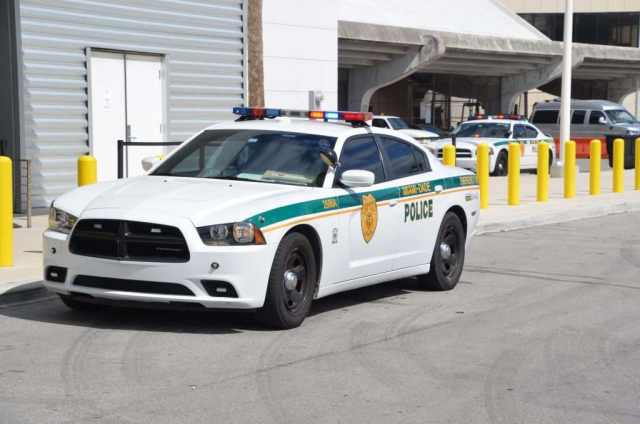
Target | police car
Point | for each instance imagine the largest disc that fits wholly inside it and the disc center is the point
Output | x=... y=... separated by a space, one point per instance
x=268 y=213
x=397 y=124
x=497 y=131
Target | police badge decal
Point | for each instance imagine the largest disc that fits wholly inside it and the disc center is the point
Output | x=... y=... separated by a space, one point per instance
x=369 y=216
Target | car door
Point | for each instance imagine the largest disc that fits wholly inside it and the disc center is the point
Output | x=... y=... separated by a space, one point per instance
x=371 y=218
x=520 y=134
x=595 y=127
x=417 y=229
x=578 y=127
x=531 y=150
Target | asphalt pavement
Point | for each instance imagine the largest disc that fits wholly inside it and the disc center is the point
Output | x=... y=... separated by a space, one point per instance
x=543 y=328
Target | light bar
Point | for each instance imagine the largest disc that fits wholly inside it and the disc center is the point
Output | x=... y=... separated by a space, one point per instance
x=501 y=116
x=341 y=116
x=255 y=112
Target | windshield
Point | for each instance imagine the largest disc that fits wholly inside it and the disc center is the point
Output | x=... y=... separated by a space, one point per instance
x=397 y=124
x=620 y=116
x=251 y=155
x=483 y=129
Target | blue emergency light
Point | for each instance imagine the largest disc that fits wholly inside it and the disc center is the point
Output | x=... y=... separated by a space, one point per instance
x=254 y=112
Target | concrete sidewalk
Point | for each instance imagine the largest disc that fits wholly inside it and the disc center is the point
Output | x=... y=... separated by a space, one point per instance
x=27 y=273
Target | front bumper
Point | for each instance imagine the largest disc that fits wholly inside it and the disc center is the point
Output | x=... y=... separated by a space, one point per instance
x=246 y=268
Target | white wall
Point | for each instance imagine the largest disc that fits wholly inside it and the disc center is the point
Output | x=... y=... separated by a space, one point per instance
x=300 y=52
x=580 y=6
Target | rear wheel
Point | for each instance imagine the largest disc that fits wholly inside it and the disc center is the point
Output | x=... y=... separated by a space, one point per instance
x=291 y=284
x=501 y=165
x=448 y=256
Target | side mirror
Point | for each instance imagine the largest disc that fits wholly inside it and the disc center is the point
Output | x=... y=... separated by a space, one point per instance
x=149 y=162
x=602 y=120
x=358 y=178
x=329 y=157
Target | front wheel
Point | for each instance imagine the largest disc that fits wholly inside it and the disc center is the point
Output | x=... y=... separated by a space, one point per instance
x=502 y=163
x=291 y=284
x=448 y=256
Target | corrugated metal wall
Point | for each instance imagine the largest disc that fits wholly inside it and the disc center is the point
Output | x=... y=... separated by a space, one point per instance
x=202 y=38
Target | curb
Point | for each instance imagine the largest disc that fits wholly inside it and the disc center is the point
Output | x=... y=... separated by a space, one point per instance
x=557 y=217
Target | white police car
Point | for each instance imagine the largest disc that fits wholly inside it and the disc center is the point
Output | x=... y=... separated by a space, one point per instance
x=265 y=214
x=497 y=131
x=397 y=124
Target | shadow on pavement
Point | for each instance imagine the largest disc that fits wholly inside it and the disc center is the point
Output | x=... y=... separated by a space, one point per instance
x=47 y=308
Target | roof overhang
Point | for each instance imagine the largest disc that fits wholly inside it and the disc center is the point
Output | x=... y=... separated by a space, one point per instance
x=363 y=45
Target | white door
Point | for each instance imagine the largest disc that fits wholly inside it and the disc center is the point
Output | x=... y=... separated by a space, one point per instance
x=109 y=114
x=126 y=104
x=371 y=227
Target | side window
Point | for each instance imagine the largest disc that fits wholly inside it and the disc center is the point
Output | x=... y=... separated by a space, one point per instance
x=363 y=154
x=402 y=162
x=545 y=117
x=578 y=117
x=518 y=131
x=379 y=123
x=531 y=132
x=423 y=161
x=594 y=117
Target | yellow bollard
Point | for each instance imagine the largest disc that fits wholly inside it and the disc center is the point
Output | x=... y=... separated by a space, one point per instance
x=6 y=212
x=514 y=174
x=543 y=172
x=87 y=170
x=637 y=163
x=483 y=174
x=618 y=165
x=570 y=169
x=594 y=167
x=449 y=155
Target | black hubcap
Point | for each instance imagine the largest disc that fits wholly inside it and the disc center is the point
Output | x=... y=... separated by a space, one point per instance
x=450 y=261
x=298 y=264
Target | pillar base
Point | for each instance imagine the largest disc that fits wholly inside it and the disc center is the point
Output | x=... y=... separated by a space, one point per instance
x=557 y=171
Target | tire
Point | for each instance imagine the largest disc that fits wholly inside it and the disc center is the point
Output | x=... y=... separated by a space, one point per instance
x=502 y=165
x=286 y=307
x=77 y=305
x=445 y=272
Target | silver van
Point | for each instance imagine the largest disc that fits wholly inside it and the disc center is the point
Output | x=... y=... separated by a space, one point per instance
x=589 y=119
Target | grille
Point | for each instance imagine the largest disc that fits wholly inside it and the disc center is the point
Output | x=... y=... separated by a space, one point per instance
x=128 y=241
x=460 y=153
x=133 y=286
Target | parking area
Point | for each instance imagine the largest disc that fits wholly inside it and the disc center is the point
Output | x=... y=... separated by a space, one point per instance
x=534 y=333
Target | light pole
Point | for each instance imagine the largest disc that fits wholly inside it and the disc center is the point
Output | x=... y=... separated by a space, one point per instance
x=565 y=107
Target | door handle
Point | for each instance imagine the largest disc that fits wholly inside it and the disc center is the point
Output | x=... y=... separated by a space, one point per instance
x=393 y=202
x=439 y=189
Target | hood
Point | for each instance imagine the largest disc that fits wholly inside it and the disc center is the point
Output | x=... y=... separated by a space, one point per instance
x=202 y=201
x=419 y=133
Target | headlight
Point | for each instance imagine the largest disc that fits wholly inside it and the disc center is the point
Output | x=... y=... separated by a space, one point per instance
x=633 y=132
x=240 y=233
x=60 y=220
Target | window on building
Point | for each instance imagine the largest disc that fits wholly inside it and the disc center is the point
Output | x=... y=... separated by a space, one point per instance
x=546 y=117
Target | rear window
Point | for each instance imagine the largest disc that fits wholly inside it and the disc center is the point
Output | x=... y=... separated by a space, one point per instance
x=545 y=117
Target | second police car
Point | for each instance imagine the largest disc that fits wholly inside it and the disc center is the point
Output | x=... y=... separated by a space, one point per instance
x=497 y=132
x=266 y=213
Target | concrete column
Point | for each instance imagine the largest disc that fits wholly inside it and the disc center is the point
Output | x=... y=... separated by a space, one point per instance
x=255 y=54
x=366 y=81
x=515 y=85
x=619 y=89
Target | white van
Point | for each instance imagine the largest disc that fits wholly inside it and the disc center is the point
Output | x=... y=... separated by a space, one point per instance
x=589 y=119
